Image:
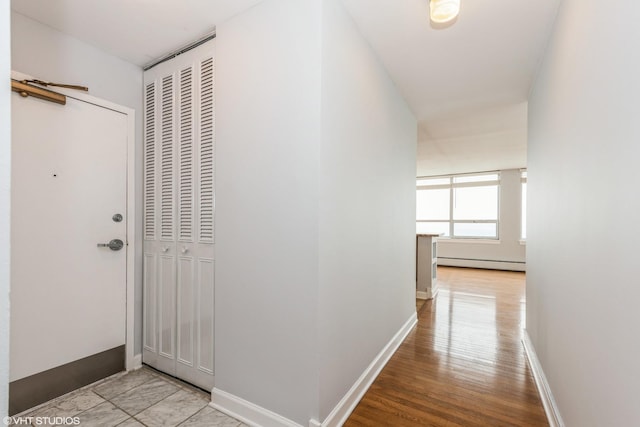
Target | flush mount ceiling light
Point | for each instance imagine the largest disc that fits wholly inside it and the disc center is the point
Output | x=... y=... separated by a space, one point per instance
x=442 y=11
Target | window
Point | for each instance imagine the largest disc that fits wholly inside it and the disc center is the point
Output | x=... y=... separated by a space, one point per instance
x=523 y=218
x=460 y=206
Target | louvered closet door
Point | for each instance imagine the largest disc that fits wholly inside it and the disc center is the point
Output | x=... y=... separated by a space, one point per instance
x=179 y=217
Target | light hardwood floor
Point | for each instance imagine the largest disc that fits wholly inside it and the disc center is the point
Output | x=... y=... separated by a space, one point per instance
x=463 y=364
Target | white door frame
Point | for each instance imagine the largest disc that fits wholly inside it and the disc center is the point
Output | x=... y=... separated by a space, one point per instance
x=131 y=361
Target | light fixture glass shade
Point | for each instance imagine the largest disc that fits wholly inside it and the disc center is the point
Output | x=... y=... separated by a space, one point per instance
x=442 y=11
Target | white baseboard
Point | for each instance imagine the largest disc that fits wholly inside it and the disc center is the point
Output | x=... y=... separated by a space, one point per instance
x=549 y=403
x=247 y=412
x=343 y=409
x=254 y=415
x=427 y=295
x=136 y=362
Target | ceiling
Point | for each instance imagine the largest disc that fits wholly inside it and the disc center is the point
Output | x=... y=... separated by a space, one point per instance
x=485 y=140
x=487 y=58
x=467 y=83
x=138 y=31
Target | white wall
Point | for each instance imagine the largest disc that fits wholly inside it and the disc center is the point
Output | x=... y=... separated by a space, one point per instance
x=367 y=208
x=5 y=200
x=314 y=242
x=506 y=253
x=583 y=175
x=267 y=148
x=50 y=55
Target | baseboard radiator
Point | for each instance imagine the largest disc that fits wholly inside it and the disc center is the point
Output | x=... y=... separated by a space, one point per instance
x=482 y=263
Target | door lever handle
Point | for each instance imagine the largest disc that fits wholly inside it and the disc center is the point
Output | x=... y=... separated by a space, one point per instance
x=114 y=245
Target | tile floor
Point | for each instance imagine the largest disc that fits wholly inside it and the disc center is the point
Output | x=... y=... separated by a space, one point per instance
x=143 y=397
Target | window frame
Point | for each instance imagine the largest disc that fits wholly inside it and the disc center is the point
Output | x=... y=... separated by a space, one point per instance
x=523 y=205
x=451 y=186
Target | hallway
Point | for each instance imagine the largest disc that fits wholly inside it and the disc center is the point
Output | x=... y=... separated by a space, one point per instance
x=464 y=364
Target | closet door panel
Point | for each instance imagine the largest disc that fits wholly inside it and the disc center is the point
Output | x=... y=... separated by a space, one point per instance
x=151 y=246
x=205 y=325
x=167 y=306
x=179 y=216
x=205 y=208
x=186 y=296
x=149 y=291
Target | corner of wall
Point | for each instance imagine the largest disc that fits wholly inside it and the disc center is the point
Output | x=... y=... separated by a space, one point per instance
x=5 y=199
x=5 y=202
x=248 y=412
x=544 y=390
x=350 y=400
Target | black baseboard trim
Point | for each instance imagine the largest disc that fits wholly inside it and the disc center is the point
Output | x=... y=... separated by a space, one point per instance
x=31 y=391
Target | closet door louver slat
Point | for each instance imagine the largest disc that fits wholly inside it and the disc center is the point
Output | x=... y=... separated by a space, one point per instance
x=185 y=184
x=207 y=135
x=166 y=177
x=150 y=163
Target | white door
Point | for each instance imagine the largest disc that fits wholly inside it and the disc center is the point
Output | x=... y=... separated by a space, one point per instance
x=178 y=271
x=69 y=171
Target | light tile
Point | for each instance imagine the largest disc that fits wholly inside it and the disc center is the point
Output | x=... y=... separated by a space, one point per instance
x=173 y=410
x=140 y=398
x=69 y=406
x=131 y=422
x=116 y=386
x=103 y=415
x=210 y=417
x=179 y=383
